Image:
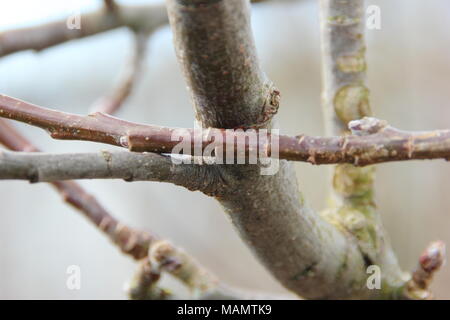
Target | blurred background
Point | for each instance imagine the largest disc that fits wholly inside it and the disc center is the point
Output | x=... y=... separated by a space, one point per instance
x=40 y=236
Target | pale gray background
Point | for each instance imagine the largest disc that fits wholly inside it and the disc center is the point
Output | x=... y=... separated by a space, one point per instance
x=409 y=77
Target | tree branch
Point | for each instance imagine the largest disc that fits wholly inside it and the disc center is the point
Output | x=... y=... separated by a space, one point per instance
x=431 y=260
x=130 y=241
x=307 y=255
x=373 y=140
x=144 y=18
x=112 y=102
x=129 y=166
x=109 y=17
x=163 y=255
x=345 y=99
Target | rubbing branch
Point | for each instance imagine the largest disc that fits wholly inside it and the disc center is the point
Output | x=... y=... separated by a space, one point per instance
x=373 y=141
x=431 y=261
x=111 y=102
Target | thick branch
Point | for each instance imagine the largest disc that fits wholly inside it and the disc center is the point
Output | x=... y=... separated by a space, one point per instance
x=373 y=140
x=215 y=47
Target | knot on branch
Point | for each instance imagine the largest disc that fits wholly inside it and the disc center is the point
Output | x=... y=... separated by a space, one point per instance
x=269 y=109
x=271 y=104
x=366 y=126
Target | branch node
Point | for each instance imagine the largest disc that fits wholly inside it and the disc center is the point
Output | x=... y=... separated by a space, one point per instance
x=431 y=260
x=366 y=126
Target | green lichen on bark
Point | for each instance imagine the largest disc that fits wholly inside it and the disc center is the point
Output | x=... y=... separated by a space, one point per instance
x=352 y=63
x=351 y=102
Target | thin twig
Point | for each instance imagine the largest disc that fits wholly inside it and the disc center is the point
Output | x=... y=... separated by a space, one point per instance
x=373 y=140
x=146 y=18
x=112 y=101
x=430 y=262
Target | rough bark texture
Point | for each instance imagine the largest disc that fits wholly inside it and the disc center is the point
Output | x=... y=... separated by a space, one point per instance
x=306 y=254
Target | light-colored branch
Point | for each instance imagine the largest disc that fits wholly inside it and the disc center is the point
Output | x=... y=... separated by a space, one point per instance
x=144 y=284
x=373 y=140
x=165 y=257
x=129 y=166
x=345 y=100
x=112 y=102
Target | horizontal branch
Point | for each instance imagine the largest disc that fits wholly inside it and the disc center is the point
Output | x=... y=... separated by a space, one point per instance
x=129 y=166
x=130 y=241
x=143 y=18
x=164 y=256
x=373 y=141
x=40 y=37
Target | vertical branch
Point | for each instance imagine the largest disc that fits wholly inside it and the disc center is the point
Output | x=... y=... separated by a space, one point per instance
x=346 y=98
x=308 y=255
x=215 y=45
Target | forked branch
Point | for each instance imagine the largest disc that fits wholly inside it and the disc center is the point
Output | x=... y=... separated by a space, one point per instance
x=157 y=255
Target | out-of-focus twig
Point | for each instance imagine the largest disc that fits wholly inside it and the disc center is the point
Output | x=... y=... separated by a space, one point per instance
x=112 y=101
x=430 y=262
x=111 y=5
x=144 y=18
